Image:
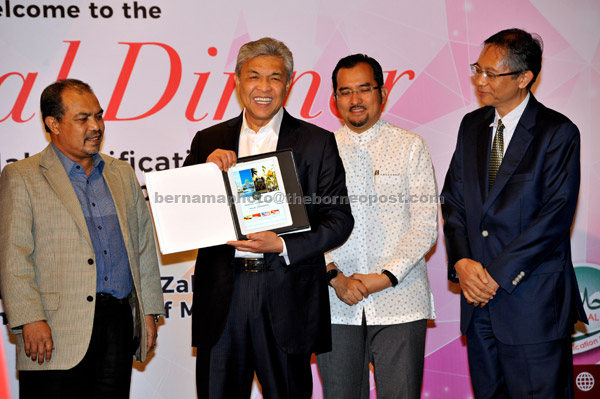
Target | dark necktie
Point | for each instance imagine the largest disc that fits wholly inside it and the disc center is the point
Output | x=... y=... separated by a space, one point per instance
x=497 y=153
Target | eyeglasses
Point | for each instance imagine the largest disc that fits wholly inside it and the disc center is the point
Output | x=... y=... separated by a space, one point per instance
x=363 y=90
x=489 y=76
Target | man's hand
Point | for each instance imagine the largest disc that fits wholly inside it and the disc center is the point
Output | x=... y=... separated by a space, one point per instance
x=224 y=159
x=476 y=284
x=349 y=290
x=37 y=337
x=491 y=282
x=263 y=242
x=151 y=333
x=373 y=281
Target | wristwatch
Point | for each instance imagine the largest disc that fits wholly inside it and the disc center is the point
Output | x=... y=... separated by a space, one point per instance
x=331 y=274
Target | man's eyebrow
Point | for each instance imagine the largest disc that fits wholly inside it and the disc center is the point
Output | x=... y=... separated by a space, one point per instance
x=101 y=111
x=360 y=85
x=485 y=69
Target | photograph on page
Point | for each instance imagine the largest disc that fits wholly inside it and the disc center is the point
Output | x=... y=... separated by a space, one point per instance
x=259 y=195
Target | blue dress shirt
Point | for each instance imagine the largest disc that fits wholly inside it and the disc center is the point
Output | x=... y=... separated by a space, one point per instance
x=112 y=264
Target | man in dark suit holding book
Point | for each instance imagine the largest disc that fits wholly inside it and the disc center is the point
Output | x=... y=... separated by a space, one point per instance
x=261 y=305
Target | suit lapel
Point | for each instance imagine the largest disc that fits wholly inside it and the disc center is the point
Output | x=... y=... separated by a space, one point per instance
x=57 y=177
x=515 y=152
x=484 y=137
x=231 y=137
x=115 y=186
x=288 y=134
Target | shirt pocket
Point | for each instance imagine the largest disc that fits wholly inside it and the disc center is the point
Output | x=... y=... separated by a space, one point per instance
x=391 y=191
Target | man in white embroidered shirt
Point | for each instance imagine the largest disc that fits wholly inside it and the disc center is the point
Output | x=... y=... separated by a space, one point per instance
x=380 y=295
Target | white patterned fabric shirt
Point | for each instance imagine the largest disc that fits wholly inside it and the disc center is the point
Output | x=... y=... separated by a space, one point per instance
x=394 y=200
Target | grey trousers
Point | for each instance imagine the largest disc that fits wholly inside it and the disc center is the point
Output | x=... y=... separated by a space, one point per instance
x=396 y=351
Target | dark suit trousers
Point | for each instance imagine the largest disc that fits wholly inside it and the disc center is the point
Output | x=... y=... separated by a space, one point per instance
x=498 y=371
x=105 y=370
x=247 y=345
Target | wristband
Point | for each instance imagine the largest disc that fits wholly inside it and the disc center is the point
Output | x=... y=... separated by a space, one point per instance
x=331 y=274
x=391 y=276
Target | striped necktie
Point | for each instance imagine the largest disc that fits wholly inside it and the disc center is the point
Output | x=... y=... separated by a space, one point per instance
x=497 y=153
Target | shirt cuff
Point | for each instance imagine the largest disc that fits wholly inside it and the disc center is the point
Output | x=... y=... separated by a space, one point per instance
x=328 y=259
x=391 y=276
x=284 y=253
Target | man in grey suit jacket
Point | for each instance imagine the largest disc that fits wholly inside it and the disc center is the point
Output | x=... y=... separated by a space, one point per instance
x=78 y=267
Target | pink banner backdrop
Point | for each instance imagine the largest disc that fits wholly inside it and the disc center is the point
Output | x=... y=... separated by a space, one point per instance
x=163 y=70
x=4 y=384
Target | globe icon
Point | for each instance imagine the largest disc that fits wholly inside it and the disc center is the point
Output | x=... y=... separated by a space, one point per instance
x=584 y=381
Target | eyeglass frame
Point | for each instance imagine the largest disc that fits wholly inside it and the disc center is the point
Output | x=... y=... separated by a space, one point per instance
x=490 y=76
x=361 y=90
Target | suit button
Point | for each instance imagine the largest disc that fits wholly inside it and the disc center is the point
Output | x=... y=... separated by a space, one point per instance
x=485 y=233
x=90 y=298
x=90 y=261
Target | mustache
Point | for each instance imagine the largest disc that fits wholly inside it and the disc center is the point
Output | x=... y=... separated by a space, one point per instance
x=92 y=136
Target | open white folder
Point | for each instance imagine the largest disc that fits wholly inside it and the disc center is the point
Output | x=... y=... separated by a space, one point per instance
x=189 y=207
x=200 y=206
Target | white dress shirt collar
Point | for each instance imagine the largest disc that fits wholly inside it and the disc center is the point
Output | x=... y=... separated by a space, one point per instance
x=510 y=122
x=274 y=124
x=511 y=119
x=367 y=135
x=265 y=140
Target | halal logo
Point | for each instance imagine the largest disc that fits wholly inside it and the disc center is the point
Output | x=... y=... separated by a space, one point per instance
x=590 y=302
x=584 y=381
x=588 y=337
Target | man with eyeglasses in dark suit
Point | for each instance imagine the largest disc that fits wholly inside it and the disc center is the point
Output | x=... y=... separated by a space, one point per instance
x=508 y=203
